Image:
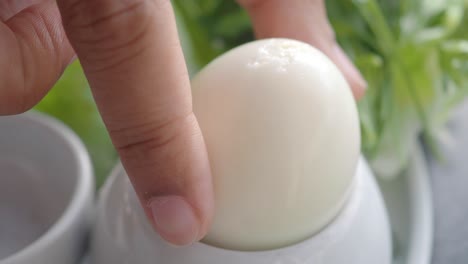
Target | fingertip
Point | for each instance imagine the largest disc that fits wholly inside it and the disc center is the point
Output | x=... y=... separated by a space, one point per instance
x=359 y=91
x=175 y=220
x=355 y=80
x=169 y=168
x=358 y=87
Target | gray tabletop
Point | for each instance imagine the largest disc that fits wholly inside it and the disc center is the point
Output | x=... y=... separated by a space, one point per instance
x=450 y=190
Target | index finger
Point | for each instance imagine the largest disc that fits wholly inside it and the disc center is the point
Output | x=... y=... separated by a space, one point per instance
x=132 y=58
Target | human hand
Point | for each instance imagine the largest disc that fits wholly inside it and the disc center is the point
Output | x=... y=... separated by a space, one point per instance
x=131 y=55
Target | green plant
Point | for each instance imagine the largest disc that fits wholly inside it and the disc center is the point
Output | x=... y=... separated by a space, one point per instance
x=414 y=57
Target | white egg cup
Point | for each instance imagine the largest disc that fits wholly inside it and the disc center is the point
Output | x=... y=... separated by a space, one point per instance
x=46 y=191
x=360 y=234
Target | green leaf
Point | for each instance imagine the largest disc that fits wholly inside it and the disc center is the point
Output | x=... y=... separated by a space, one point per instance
x=371 y=12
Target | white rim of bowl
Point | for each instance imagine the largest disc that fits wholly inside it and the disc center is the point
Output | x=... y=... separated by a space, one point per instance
x=422 y=216
x=82 y=192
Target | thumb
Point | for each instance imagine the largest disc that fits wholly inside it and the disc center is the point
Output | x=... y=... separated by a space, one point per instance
x=132 y=58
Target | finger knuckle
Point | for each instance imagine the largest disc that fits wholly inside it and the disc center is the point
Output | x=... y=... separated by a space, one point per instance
x=14 y=97
x=108 y=31
x=143 y=142
x=16 y=103
x=101 y=15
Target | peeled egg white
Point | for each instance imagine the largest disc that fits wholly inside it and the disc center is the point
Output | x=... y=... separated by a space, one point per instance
x=282 y=133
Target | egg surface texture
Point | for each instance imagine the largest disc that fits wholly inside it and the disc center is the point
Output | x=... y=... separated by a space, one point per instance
x=282 y=133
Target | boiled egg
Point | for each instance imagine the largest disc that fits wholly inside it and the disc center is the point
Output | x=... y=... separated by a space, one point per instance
x=282 y=134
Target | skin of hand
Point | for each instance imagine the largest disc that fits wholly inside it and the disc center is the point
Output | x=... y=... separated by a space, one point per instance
x=132 y=58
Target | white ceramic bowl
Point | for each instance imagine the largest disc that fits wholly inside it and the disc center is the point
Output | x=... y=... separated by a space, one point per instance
x=359 y=235
x=46 y=191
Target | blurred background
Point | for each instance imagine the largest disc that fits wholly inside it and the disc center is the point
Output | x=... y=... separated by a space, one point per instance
x=413 y=53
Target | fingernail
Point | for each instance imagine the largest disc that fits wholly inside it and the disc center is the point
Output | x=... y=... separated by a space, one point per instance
x=175 y=220
x=352 y=74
